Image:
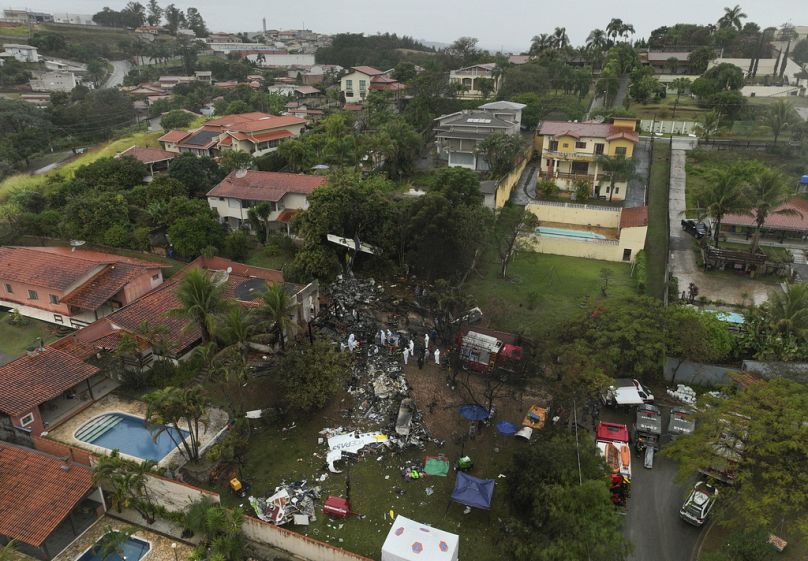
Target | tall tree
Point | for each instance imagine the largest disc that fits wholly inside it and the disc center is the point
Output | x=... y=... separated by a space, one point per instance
x=765 y=193
x=180 y=409
x=618 y=168
x=313 y=374
x=500 y=151
x=126 y=482
x=723 y=195
x=201 y=300
x=155 y=13
x=174 y=18
x=759 y=435
x=733 y=17
x=278 y=311
x=696 y=336
x=787 y=311
x=511 y=222
x=195 y=22
x=709 y=125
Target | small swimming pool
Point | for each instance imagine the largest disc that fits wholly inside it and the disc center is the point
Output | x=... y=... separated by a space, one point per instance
x=131 y=435
x=133 y=549
x=729 y=317
x=561 y=233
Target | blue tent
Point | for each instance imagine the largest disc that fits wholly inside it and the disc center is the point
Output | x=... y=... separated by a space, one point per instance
x=473 y=412
x=472 y=491
x=507 y=428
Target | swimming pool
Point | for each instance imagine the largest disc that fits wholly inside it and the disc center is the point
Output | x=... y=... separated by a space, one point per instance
x=561 y=233
x=133 y=549
x=131 y=435
x=729 y=317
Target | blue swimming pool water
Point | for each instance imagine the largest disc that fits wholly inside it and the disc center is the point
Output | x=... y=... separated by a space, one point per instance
x=561 y=233
x=130 y=435
x=730 y=317
x=133 y=550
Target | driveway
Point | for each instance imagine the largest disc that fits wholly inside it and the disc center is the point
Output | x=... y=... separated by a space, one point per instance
x=738 y=289
x=635 y=196
x=524 y=191
x=120 y=68
x=652 y=522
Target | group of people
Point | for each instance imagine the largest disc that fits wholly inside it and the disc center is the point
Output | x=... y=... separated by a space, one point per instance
x=409 y=348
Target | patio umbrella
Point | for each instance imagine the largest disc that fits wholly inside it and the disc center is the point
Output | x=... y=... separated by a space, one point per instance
x=473 y=412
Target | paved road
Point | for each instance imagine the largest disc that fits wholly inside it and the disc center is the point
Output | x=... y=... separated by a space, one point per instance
x=652 y=522
x=636 y=186
x=622 y=91
x=525 y=189
x=120 y=68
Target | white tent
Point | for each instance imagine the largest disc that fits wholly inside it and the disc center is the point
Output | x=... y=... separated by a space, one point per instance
x=409 y=540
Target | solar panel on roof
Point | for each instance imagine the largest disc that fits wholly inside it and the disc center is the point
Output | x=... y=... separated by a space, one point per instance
x=201 y=138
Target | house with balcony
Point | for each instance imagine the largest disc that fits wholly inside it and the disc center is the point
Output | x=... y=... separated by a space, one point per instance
x=71 y=288
x=458 y=135
x=571 y=151
x=241 y=190
x=477 y=81
x=362 y=79
x=255 y=133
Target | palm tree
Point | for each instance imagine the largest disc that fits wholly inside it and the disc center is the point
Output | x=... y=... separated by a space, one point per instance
x=126 y=483
x=560 y=38
x=787 y=312
x=168 y=407
x=278 y=309
x=732 y=18
x=596 y=39
x=723 y=195
x=709 y=125
x=8 y=551
x=614 y=28
x=540 y=43
x=626 y=30
x=220 y=528
x=236 y=330
x=781 y=115
x=201 y=299
x=296 y=154
x=111 y=543
x=765 y=194
x=680 y=85
x=618 y=168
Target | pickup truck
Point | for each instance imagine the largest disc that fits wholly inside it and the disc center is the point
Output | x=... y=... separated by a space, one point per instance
x=627 y=392
x=681 y=422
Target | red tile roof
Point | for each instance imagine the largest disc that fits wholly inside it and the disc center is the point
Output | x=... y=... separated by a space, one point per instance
x=147 y=155
x=266 y=185
x=173 y=136
x=93 y=294
x=586 y=129
x=33 y=379
x=271 y=135
x=634 y=217
x=38 y=493
x=230 y=120
x=287 y=214
x=369 y=70
x=97 y=256
x=798 y=222
x=273 y=122
x=31 y=267
x=352 y=107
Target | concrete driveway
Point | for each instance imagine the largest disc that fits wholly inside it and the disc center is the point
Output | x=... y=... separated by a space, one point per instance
x=635 y=196
x=739 y=289
x=652 y=522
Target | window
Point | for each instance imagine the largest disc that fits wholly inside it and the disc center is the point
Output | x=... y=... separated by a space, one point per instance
x=620 y=151
x=221 y=198
x=348 y=85
x=234 y=203
x=32 y=295
x=566 y=145
x=616 y=190
x=155 y=277
x=53 y=298
x=362 y=85
x=581 y=168
x=8 y=289
x=599 y=148
x=580 y=144
x=626 y=255
x=27 y=420
x=554 y=145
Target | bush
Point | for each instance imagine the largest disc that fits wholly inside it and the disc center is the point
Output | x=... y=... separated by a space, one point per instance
x=176 y=120
x=236 y=245
x=546 y=188
x=117 y=235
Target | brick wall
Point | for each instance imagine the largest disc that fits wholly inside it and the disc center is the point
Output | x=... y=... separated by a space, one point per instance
x=58 y=449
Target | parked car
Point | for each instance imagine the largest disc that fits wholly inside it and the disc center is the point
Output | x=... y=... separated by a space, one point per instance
x=695 y=228
x=698 y=505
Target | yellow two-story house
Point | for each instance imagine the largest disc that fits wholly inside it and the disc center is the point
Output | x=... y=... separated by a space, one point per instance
x=572 y=150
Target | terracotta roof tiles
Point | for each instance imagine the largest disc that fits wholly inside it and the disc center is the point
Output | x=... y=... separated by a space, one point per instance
x=265 y=185
x=173 y=136
x=586 y=129
x=634 y=217
x=38 y=493
x=796 y=222
x=147 y=155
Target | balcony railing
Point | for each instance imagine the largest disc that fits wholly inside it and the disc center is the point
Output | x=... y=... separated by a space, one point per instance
x=570 y=176
x=570 y=155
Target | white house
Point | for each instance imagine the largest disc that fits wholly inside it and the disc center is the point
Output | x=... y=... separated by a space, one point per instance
x=56 y=81
x=23 y=53
x=470 y=80
x=287 y=193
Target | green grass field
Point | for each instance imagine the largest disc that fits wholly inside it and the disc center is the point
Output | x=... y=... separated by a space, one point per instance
x=687 y=110
x=16 y=339
x=544 y=290
x=656 y=243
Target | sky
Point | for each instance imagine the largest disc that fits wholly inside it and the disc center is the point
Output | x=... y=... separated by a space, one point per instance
x=506 y=25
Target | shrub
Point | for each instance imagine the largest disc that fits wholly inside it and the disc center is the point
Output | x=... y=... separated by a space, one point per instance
x=546 y=188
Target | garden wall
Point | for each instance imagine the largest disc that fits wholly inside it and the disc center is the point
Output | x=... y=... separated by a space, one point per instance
x=176 y=496
x=296 y=544
x=507 y=183
x=605 y=250
x=62 y=450
x=575 y=213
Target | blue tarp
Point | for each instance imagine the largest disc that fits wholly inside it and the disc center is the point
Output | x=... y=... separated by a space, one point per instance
x=506 y=427
x=472 y=491
x=473 y=412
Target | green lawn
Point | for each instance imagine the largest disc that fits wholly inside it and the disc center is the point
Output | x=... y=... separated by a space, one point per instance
x=656 y=243
x=561 y=287
x=662 y=109
x=275 y=455
x=109 y=149
x=15 y=340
